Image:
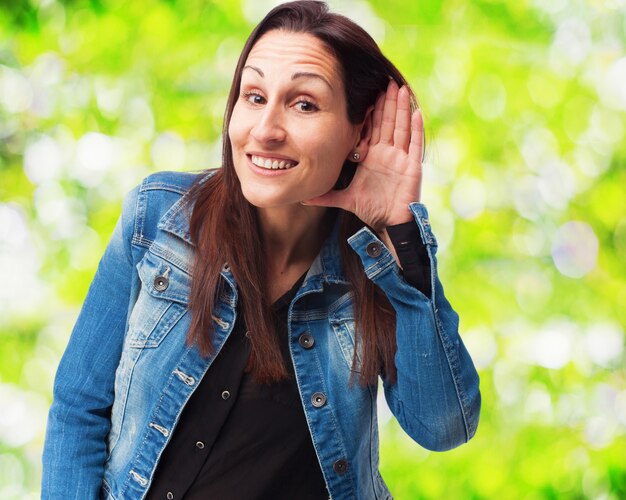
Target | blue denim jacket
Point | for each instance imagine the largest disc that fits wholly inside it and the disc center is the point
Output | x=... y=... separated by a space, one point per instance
x=127 y=372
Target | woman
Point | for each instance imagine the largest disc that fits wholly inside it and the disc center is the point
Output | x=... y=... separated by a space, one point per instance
x=232 y=339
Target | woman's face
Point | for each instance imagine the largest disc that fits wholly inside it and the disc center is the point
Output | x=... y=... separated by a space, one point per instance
x=289 y=130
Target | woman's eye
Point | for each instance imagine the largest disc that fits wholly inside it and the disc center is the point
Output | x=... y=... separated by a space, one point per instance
x=306 y=106
x=253 y=97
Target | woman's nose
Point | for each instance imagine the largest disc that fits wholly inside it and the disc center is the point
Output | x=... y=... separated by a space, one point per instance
x=269 y=127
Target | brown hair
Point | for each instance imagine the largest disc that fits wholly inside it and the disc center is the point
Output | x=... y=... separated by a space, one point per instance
x=224 y=224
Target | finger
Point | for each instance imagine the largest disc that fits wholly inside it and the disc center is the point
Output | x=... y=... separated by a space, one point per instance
x=416 y=147
x=402 y=130
x=335 y=198
x=377 y=118
x=389 y=114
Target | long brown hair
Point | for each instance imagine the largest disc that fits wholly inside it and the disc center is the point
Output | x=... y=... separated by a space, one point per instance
x=224 y=225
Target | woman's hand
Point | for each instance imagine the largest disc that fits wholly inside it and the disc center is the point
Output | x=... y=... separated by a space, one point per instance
x=389 y=177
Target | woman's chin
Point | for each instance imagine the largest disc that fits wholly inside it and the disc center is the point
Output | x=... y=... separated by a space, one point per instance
x=263 y=200
x=266 y=197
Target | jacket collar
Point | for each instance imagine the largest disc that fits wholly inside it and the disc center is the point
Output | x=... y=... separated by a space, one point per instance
x=176 y=219
x=327 y=266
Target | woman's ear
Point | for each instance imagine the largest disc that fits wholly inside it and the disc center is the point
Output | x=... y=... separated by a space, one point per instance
x=365 y=134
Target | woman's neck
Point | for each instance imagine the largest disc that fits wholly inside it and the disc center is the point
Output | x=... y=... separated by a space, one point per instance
x=292 y=236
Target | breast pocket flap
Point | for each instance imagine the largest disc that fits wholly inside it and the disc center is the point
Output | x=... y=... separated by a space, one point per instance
x=162 y=301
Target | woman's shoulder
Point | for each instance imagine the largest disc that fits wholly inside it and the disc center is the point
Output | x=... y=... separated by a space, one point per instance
x=161 y=201
x=160 y=191
x=176 y=182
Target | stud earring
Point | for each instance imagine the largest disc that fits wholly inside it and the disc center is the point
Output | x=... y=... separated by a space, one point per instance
x=356 y=156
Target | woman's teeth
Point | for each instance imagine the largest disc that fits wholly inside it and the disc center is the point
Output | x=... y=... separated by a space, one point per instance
x=269 y=164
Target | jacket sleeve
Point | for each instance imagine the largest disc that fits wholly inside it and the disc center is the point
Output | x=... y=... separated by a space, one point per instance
x=79 y=418
x=436 y=398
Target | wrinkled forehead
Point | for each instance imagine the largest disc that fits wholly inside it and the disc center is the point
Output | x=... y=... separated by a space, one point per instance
x=284 y=51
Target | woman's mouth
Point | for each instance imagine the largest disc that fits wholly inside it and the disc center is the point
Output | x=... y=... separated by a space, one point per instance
x=272 y=163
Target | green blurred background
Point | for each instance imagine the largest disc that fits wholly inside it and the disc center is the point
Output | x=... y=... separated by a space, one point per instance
x=525 y=108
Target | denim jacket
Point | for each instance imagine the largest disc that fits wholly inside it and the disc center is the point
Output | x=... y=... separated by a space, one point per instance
x=128 y=372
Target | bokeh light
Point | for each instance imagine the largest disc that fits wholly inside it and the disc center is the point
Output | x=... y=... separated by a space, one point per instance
x=525 y=116
x=575 y=249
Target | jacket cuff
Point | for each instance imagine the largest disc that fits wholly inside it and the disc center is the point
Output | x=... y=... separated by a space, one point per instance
x=376 y=257
x=420 y=213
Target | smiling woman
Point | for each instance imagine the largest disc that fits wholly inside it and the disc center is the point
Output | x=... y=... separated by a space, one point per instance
x=240 y=318
x=292 y=109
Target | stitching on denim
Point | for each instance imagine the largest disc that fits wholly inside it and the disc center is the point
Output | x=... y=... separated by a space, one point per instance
x=373 y=390
x=140 y=479
x=184 y=377
x=453 y=364
x=140 y=214
x=142 y=242
x=159 y=428
x=334 y=425
x=170 y=293
x=311 y=315
x=123 y=399
x=171 y=257
x=219 y=321
x=433 y=277
x=346 y=297
x=166 y=392
x=167 y=272
x=420 y=214
x=325 y=390
x=172 y=315
x=151 y=185
x=380 y=266
x=164 y=186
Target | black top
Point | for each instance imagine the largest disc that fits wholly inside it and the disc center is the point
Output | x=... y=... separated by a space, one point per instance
x=240 y=440
x=412 y=254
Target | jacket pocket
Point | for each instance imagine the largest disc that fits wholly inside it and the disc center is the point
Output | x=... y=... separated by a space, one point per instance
x=162 y=301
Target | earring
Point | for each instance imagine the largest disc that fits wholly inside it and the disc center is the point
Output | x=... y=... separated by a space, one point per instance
x=356 y=156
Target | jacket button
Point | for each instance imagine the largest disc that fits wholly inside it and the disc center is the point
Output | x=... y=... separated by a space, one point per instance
x=200 y=445
x=225 y=395
x=374 y=250
x=340 y=466
x=307 y=341
x=318 y=399
x=161 y=283
x=169 y=495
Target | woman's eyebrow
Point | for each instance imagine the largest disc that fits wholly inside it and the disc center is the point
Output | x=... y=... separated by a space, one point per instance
x=307 y=74
x=258 y=70
x=299 y=74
